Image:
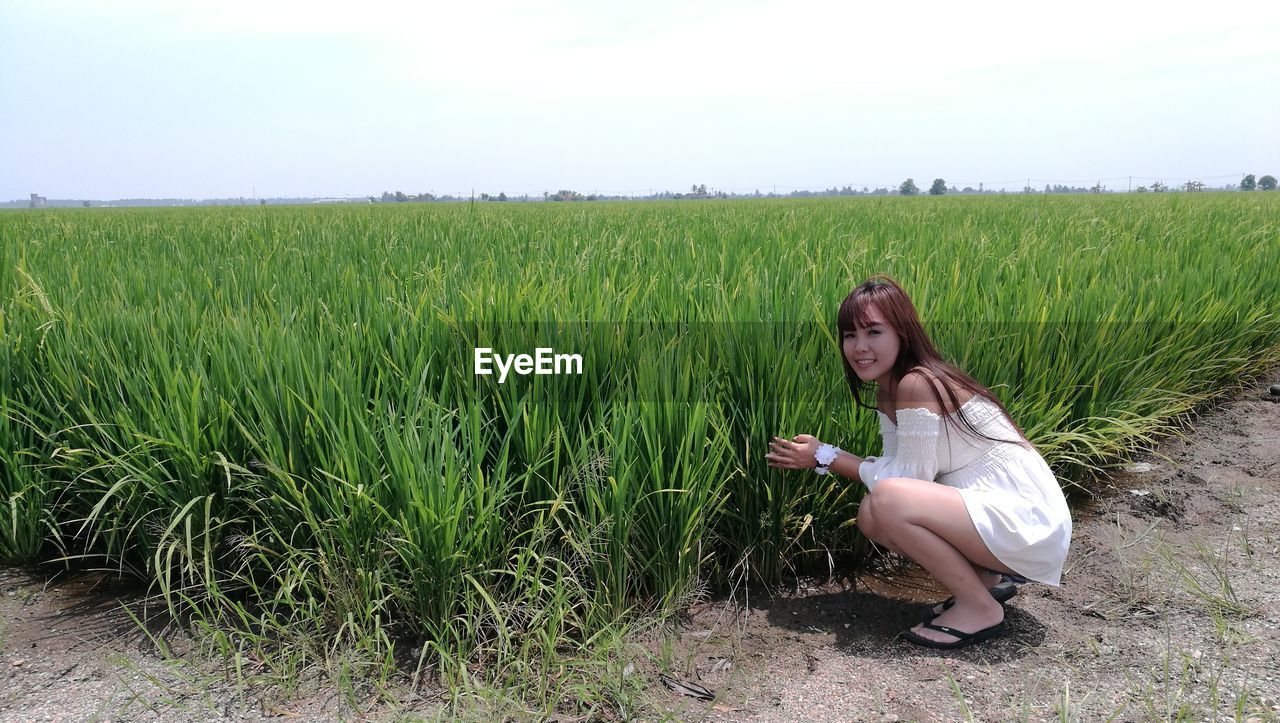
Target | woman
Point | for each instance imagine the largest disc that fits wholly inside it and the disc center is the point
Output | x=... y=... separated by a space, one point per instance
x=998 y=509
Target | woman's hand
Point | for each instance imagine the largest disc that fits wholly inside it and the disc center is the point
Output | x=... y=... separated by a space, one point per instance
x=793 y=453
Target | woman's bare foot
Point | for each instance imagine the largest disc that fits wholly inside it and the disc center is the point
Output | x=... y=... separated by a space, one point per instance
x=968 y=618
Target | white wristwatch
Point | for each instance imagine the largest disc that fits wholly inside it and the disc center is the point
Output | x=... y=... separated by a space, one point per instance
x=825 y=455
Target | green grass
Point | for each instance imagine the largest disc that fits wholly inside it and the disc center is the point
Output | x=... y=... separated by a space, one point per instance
x=270 y=412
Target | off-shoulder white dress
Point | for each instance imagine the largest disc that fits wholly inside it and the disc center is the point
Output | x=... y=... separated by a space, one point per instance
x=1012 y=496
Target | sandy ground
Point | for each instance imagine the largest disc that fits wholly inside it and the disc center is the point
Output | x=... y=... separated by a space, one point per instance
x=1168 y=610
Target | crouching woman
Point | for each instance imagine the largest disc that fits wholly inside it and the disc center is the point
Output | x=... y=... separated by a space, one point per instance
x=958 y=488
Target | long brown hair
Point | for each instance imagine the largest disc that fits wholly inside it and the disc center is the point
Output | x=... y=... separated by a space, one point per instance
x=915 y=350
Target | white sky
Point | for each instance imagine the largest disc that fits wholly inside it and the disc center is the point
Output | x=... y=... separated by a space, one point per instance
x=215 y=98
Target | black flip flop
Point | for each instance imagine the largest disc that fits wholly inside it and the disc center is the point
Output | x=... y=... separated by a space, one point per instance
x=1002 y=592
x=962 y=638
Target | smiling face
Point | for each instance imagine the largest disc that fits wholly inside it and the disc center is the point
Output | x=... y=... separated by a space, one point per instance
x=873 y=349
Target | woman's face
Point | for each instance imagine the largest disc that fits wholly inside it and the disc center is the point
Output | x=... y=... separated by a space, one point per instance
x=872 y=350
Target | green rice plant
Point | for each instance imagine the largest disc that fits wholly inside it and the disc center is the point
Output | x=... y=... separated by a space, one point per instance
x=23 y=490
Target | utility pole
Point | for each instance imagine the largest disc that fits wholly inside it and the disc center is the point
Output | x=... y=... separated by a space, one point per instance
x=1130 y=184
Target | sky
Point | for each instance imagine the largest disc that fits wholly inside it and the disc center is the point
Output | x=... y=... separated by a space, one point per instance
x=294 y=98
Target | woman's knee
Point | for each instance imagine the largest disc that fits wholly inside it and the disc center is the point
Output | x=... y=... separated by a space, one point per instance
x=890 y=499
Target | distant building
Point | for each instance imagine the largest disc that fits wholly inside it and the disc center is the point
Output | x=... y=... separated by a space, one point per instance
x=38 y=201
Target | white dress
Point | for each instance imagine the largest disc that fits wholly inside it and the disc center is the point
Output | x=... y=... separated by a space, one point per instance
x=1012 y=496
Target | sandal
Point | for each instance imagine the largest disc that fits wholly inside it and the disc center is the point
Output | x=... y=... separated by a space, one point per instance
x=1002 y=591
x=962 y=638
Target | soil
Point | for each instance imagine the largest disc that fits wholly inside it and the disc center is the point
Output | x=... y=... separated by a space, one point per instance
x=1167 y=610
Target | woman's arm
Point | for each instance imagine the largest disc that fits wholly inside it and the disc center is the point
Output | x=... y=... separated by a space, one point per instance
x=846 y=465
x=798 y=453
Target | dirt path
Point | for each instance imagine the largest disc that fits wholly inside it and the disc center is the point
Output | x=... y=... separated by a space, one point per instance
x=1168 y=609
x=69 y=651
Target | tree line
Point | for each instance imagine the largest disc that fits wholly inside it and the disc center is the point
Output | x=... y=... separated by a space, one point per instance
x=908 y=187
x=1266 y=183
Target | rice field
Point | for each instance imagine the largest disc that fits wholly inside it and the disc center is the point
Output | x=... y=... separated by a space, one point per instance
x=271 y=413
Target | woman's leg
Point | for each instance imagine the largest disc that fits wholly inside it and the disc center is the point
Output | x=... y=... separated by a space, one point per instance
x=872 y=531
x=928 y=522
x=989 y=580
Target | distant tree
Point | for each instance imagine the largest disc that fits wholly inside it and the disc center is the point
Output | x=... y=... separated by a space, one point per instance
x=86 y=204
x=908 y=188
x=1158 y=187
x=502 y=195
x=938 y=188
x=400 y=197
x=1141 y=189
x=1248 y=183
x=1267 y=183
x=1191 y=186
